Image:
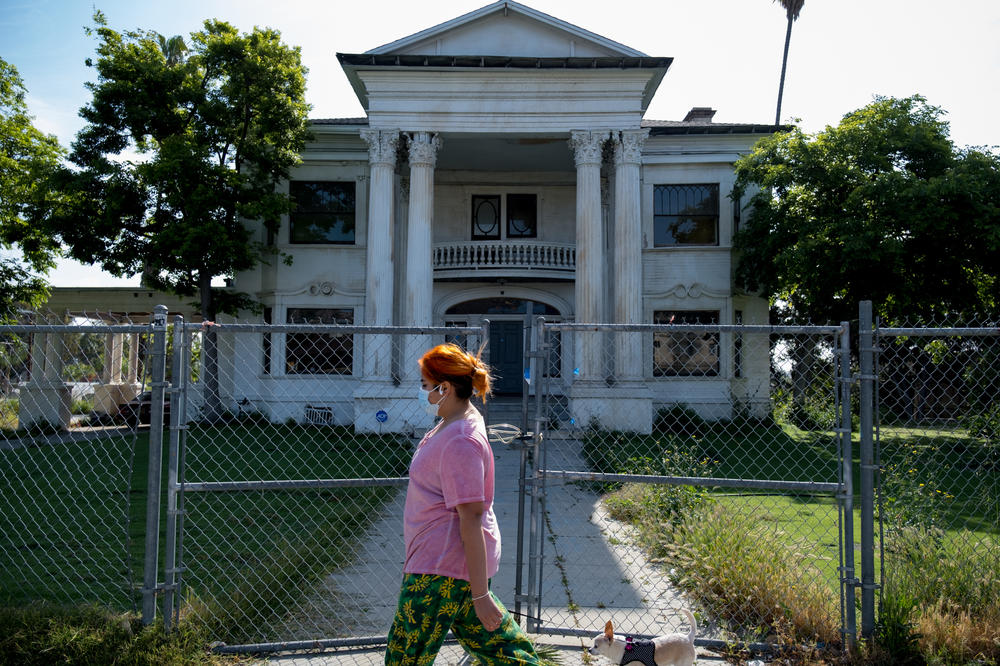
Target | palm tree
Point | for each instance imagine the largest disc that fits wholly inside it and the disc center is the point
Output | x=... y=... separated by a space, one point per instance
x=173 y=49
x=792 y=9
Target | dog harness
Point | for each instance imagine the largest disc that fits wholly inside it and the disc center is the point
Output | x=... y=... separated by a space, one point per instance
x=639 y=649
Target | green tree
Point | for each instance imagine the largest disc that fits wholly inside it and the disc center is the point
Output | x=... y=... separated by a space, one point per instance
x=792 y=9
x=882 y=207
x=28 y=158
x=182 y=144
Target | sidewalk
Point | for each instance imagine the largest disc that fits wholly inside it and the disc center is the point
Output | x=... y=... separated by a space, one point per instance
x=587 y=580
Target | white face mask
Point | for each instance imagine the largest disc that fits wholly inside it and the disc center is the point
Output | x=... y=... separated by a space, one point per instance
x=431 y=407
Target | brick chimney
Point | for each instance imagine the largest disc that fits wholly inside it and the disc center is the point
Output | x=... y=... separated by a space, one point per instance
x=700 y=114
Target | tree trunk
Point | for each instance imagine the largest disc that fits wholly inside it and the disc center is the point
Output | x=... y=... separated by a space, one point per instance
x=784 y=63
x=212 y=410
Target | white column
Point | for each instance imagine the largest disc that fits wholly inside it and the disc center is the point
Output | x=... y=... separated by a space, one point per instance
x=113 y=345
x=379 y=272
x=419 y=290
x=627 y=260
x=587 y=149
x=133 y=358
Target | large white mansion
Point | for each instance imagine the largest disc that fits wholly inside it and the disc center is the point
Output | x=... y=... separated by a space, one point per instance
x=505 y=168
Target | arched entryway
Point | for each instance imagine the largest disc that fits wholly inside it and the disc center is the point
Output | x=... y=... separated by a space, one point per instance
x=509 y=322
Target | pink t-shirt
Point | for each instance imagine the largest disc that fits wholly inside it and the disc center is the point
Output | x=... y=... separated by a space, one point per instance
x=451 y=466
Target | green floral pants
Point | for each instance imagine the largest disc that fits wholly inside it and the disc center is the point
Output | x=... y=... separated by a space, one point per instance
x=431 y=605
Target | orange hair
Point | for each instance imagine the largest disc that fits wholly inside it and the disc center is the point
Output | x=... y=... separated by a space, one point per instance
x=451 y=363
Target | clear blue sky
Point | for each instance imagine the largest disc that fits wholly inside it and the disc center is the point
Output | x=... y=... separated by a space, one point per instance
x=727 y=54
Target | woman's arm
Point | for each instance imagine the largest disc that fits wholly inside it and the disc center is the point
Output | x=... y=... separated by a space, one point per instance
x=470 y=519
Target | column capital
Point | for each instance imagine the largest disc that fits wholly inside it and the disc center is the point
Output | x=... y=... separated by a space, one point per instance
x=587 y=146
x=382 y=145
x=424 y=147
x=628 y=145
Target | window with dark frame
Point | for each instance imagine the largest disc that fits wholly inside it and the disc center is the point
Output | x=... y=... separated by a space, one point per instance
x=266 y=342
x=323 y=212
x=485 y=217
x=685 y=354
x=522 y=215
x=685 y=215
x=319 y=353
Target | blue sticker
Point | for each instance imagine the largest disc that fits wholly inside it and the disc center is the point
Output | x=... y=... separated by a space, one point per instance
x=381 y=416
x=527 y=374
x=576 y=371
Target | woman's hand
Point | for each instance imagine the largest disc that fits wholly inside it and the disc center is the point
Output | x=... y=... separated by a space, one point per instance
x=488 y=612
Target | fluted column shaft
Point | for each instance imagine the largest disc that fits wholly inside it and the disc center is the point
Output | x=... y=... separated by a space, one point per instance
x=628 y=251
x=423 y=148
x=379 y=273
x=587 y=151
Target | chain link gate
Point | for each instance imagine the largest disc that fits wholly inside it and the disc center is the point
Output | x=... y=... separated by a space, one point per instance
x=74 y=458
x=286 y=476
x=644 y=501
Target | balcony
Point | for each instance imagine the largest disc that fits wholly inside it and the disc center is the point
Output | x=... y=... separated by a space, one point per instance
x=504 y=258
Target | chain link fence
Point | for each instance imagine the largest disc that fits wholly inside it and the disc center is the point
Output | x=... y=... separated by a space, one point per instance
x=73 y=458
x=683 y=464
x=293 y=475
x=938 y=488
x=690 y=465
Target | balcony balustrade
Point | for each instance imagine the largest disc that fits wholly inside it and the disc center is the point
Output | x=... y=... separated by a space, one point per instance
x=505 y=257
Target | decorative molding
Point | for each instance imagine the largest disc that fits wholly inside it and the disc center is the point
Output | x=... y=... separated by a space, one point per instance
x=628 y=145
x=587 y=146
x=382 y=146
x=318 y=288
x=423 y=148
x=692 y=290
x=511 y=290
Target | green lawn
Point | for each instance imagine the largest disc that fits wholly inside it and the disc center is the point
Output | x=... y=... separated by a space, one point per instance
x=936 y=477
x=63 y=512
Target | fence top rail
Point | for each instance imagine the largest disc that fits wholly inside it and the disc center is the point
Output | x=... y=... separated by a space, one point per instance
x=940 y=332
x=696 y=328
x=20 y=329
x=337 y=329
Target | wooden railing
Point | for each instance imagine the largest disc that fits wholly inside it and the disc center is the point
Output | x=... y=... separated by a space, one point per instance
x=505 y=255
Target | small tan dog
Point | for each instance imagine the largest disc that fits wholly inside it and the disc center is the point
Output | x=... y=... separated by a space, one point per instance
x=669 y=650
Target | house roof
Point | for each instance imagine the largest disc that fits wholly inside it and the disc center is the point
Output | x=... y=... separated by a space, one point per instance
x=506 y=6
x=503 y=62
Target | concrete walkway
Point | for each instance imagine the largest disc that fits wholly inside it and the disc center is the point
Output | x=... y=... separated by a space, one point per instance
x=592 y=574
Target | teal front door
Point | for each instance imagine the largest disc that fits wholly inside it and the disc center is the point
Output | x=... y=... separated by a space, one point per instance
x=506 y=356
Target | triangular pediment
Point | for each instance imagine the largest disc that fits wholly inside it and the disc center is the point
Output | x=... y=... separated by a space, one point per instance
x=507 y=29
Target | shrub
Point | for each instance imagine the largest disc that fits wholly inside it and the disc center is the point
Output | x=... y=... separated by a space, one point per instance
x=679 y=419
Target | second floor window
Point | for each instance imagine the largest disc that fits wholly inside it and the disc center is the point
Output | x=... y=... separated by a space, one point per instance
x=323 y=212
x=521 y=211
x=685 y=215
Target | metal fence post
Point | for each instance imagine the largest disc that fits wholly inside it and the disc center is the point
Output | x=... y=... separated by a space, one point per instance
x=531 y=346
x=866 y=349
x=847 y=577
x=170 y=555
x=150 y=568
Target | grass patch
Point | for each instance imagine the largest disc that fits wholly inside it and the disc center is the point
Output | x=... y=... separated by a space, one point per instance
x=249 y=555
x=49 y=634
x=768 y=564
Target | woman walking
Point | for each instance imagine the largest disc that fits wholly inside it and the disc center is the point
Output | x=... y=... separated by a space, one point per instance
x=451 y=534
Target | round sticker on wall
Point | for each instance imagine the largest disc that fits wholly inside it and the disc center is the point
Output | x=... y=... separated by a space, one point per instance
x=381 y=416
